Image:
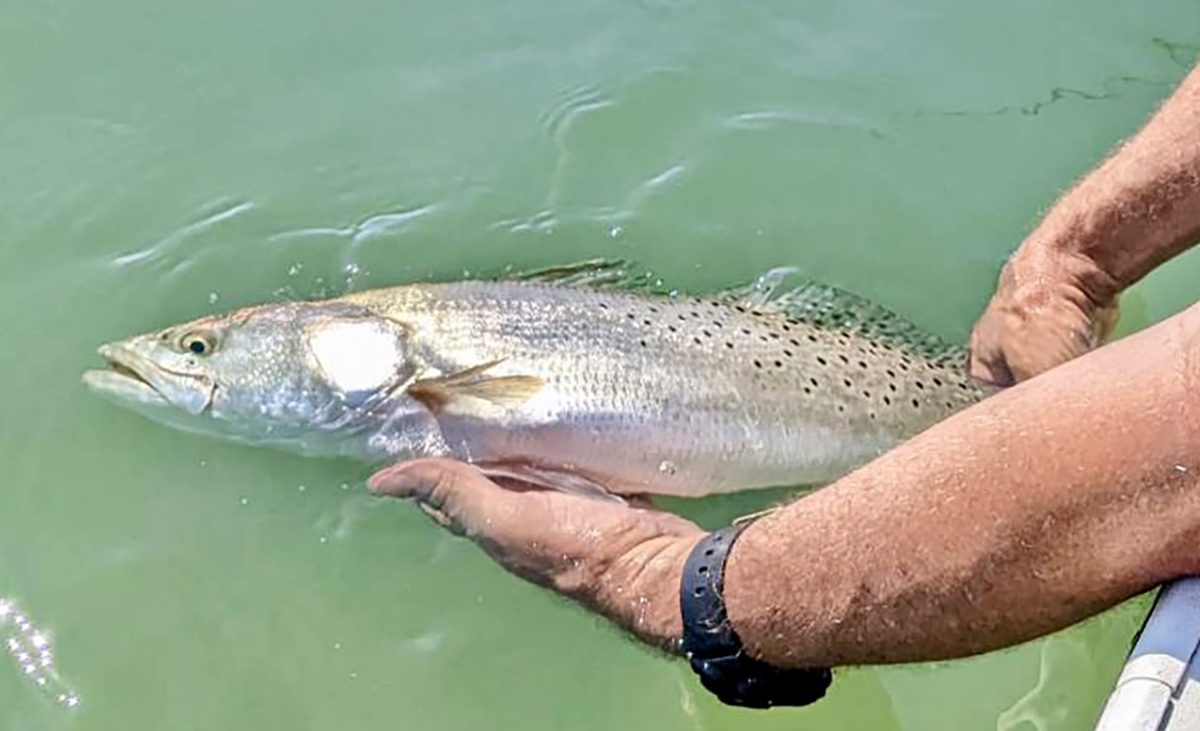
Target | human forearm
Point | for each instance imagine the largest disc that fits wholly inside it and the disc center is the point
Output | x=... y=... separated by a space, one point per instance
x=1030 y=511
x=1056 y=296
x=1140 y=207
x=1027 y=512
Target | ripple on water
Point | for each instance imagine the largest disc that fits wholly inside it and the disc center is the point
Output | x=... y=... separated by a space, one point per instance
x=164 y=249
x=30 y=648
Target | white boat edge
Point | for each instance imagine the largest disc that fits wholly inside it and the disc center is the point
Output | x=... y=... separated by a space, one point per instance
x=1159 y=687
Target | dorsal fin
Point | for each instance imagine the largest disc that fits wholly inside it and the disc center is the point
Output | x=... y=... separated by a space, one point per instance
x=809 y=301
x=832 y=308
x=614 y=274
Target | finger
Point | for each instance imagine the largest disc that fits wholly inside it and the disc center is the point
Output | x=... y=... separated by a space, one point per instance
x=995 y=373
x=986 y=363
x=440 y=518
x=458 y=495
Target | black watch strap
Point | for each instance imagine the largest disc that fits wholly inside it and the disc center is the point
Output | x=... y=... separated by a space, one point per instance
x=714 y=649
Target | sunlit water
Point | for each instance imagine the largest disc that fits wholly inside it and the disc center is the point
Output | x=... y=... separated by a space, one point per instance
x=162 y=160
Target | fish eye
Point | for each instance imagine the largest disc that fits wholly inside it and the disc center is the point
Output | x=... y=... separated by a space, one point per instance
x=198 y=343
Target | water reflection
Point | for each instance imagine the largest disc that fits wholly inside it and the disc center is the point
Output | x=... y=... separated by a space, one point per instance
x=30 y=648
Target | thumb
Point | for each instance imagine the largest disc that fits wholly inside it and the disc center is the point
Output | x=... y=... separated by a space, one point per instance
x=453 y=493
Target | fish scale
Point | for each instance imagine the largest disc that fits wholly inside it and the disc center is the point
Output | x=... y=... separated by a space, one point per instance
x=572 y=377
x=728 y=396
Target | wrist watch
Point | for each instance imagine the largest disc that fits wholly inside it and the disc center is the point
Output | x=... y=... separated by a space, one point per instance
x=715 y=651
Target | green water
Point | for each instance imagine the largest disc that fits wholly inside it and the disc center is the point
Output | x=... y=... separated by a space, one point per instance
x=163 y=160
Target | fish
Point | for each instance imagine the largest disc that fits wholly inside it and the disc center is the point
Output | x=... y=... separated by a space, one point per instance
x=590 y=378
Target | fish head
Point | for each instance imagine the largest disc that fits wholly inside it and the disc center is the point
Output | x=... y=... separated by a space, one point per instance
x=272 y=373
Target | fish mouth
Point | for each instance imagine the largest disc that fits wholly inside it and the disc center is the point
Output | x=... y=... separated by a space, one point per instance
x=121 y=377
x=129 y=376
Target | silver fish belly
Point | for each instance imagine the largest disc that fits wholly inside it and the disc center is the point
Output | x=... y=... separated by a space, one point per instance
x=675 y=396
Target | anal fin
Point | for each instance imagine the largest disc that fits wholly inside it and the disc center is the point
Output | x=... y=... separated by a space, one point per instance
x=568 y=482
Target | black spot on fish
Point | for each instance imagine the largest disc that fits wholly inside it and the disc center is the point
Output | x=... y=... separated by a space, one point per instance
x=844 y=358
x=630 y=315
x=672 y=328
x=706 y=333
x=696 y=341
x=794 y=342
x=717 y=323
x=892 y=387
x=919 y=385
x=866 y=394
x=681 y=317
x=916 y=404
x=758 y=364
x=807 y=390
x=646 y=323
x=887 y=401
x=762 y=338
x=937 y=382
x=603 y=306
x=847 y=383
x=778 y=364
x=739 y=308
x=643 y=343
x=822 y=361
x=787 y=353
x=745 y=331
x=862 y=364
x=728 y=345
x=891 y=373
x=813 y=381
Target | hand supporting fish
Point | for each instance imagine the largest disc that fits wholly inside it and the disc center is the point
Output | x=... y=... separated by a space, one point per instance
x=621 y=561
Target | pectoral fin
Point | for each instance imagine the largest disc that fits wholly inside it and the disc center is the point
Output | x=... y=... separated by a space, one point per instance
x=506 y=391
x=568 y=482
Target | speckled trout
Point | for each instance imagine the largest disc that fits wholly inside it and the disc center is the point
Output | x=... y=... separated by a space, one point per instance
x=585 y=378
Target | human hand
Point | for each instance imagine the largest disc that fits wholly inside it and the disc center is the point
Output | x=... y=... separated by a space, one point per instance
x=623 y=562
x=1045 y=311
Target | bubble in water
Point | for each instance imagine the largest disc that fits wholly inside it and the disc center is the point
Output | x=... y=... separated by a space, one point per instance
x=615 y=232
x=213 y=297
x=295 y=269
x=345 y=486
x=301 y=488
x=245 y=501
x=667 y=467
